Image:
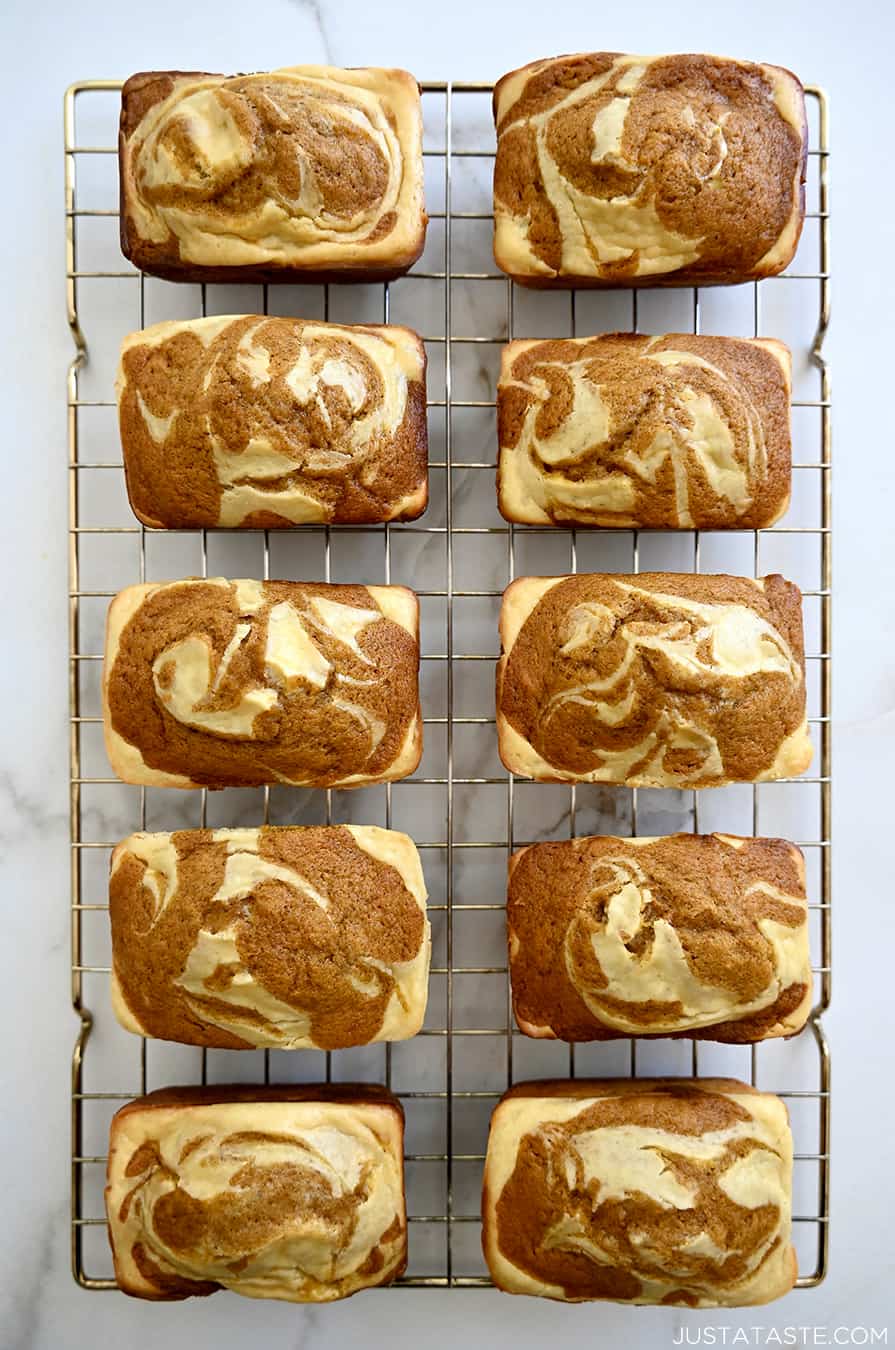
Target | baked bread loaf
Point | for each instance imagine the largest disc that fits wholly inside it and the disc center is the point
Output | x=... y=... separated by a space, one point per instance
x=216 y=683
x=674 y=432
x=294 y=1193
x=618 y=170
x=309 y=173
x=689 y=935
x=295 y=938
x=265 y=422
x=662 y=679
x=672 y=1191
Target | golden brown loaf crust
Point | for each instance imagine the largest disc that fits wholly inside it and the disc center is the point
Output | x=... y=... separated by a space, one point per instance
x=287 y=937
x=688 y=935
x=617 y=170
x=673 y=432
x=217 y=683
x=294 y=1193
x=262 y=422
x=672 y=1191
x=309 y=173
x=662 y=679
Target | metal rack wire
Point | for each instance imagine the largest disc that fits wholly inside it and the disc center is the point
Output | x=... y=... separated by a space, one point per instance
x=468 y=1051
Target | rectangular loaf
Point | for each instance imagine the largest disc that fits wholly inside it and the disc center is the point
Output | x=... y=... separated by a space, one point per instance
x=687 y=935
x=668 y=1191
x=308 y=173
x=217 y=683
x=660 y=679
x=261 y=422
x=619 y=170
x=672 y=432
x=293 y=1193
x=285 y=937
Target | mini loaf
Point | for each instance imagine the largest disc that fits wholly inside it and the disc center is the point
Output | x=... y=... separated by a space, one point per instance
x=674 y=432
x=702 y=936
x=655 y=680
x=620 y=170
x=674 y=1191
x=287 y=937
x=216 y=683
x=309 y=173
x=265 y=422
x=294 y=1193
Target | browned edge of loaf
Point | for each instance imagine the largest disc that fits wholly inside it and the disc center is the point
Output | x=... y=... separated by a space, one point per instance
x=139 y=94
x=570 y=282
x=576 y=56
x=221 y=1094
x=623 y=1087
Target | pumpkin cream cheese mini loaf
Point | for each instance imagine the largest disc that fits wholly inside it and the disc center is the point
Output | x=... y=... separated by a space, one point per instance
x=293 y=1193
x=688 y=935
x=257 y=421
x=296 y=938
x=217 y=683
x=616 y=170
x=660 y=679
x=309 y=173
x=673 y=432
x=671 y=1191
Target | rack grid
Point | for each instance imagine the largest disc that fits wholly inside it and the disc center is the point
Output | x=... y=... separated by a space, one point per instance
x=459 y=558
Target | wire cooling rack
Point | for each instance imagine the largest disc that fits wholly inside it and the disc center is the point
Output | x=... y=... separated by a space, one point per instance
x=462 y=808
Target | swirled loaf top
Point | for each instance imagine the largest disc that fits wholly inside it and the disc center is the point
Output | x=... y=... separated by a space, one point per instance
x=672 y=432
x=661 y=679
x=282 y=936
x=688 y=935
x=309 y=172
x=216 y=683
x=671 y=1191
x=615 y=170
x=262 y=422
x=290 y=1192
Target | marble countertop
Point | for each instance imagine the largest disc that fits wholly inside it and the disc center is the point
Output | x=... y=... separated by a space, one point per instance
x=49 y=45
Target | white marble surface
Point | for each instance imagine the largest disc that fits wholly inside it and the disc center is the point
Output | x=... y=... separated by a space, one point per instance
x=47 y=46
